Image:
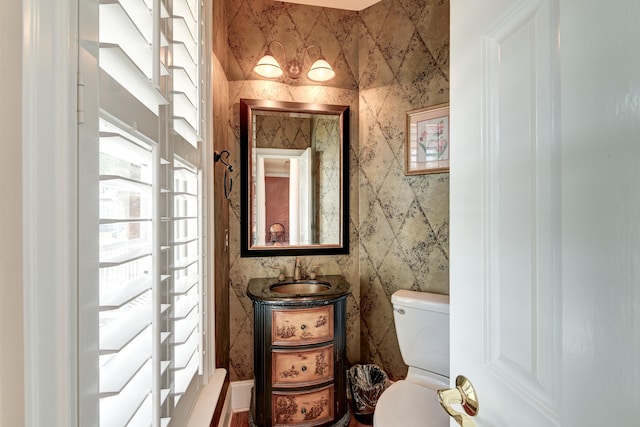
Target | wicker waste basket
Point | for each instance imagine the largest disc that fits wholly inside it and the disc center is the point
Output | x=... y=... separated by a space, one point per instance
x=366 y=382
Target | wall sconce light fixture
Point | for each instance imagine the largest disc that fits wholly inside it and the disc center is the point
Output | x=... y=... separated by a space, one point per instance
x=269 y=67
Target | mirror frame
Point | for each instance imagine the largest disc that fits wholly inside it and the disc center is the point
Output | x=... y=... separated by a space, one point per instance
x=247 y=106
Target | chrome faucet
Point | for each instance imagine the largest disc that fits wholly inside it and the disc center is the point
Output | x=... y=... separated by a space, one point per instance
x=297 y=270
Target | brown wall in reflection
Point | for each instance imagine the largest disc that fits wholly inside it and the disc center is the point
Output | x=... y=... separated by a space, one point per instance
x=276 y=191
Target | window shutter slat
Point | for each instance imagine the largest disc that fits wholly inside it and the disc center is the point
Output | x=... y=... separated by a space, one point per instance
x=123 y=258
x=127 y=293
x=118 y=410
x=121 y=68
x=184 y=376
x=183 y=83
x=133 y=36
x=123 y=183
x=184 y=128
x=185 y=284
x=117 y=334
x=120 y=369
x=115 y=144
x=185 y=9
x=185 y=352
x=184 y=31
x=186 y=327
x=185 y=305
x=184 y=108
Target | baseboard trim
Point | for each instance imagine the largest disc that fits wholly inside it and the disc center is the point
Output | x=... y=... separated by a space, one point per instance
x=241 y=395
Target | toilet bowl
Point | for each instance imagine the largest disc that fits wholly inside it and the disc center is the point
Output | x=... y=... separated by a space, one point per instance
x=422 y=327
x=409 y=404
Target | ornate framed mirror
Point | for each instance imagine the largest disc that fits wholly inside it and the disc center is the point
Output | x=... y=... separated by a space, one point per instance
x=295 y=178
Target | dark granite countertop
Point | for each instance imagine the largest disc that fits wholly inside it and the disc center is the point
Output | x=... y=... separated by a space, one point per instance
x=259 y=289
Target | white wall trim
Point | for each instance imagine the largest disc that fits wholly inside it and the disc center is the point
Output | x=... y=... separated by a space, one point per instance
x=238 y=400
x=208 y=187
x=207 y=400
x=50 y=214
x=227 y=415
x=241 y=395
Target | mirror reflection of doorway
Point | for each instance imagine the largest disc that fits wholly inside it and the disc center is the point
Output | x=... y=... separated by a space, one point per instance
x=284 y=189
x=276 y=191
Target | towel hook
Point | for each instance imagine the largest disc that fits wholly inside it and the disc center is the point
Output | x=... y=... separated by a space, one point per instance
x=222 y=157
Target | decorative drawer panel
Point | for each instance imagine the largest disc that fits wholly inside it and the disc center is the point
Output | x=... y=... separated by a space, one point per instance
x=300 y=368
x=303 y=409
x=301 y=327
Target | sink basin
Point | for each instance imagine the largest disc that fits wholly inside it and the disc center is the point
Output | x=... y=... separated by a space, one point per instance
x=303 y=287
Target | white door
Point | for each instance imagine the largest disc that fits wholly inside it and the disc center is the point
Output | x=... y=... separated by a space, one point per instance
x=545 y=210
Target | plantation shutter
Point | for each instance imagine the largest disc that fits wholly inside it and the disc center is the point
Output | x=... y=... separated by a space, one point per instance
x=150 y=272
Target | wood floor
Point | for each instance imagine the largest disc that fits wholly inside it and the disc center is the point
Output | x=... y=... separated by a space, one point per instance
x=241 y=419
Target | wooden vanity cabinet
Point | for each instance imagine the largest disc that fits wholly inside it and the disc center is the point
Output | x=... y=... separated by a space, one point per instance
x=300 y=363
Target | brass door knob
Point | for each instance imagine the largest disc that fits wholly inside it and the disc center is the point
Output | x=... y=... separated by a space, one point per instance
x=464 y=395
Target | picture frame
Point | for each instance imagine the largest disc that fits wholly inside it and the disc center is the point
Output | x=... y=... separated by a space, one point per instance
x=427 y=140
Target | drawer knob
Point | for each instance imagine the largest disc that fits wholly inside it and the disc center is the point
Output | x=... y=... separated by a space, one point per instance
x=303 y=410
x=304 y=368
x=303 y=327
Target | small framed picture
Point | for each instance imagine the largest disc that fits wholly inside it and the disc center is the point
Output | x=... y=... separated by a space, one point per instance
x=426 y=145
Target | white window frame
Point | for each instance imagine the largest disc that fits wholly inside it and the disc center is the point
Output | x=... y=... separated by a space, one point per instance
x=49 y=206
x=50 y=87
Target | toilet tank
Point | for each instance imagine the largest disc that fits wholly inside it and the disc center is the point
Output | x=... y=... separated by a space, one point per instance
x=422 y=327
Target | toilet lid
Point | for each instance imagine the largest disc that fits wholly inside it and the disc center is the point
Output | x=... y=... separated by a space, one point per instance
x=408 y=404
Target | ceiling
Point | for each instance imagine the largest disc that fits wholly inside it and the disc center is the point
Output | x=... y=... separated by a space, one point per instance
x=337 y=4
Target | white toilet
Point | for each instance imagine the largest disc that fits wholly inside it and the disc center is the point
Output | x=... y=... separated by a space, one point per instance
x=422 y=326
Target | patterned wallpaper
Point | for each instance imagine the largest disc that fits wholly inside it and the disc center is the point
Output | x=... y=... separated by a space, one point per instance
x=219 y=110
x=404 y=220
x=389 y=59
x=326 y=132
x=255 y=23
x=277 y=131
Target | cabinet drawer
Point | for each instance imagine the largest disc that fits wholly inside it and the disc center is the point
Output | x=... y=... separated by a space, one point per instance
x=305 y=326
x=304 y=409
x=300 y=368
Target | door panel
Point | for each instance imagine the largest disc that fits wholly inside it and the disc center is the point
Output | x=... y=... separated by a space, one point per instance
x=520 y=191
x=600 y=212
x=504 y=226
x=545 y=201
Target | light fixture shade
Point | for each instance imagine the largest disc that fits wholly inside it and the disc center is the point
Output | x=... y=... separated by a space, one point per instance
x=268 y=67
x=321 y=71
